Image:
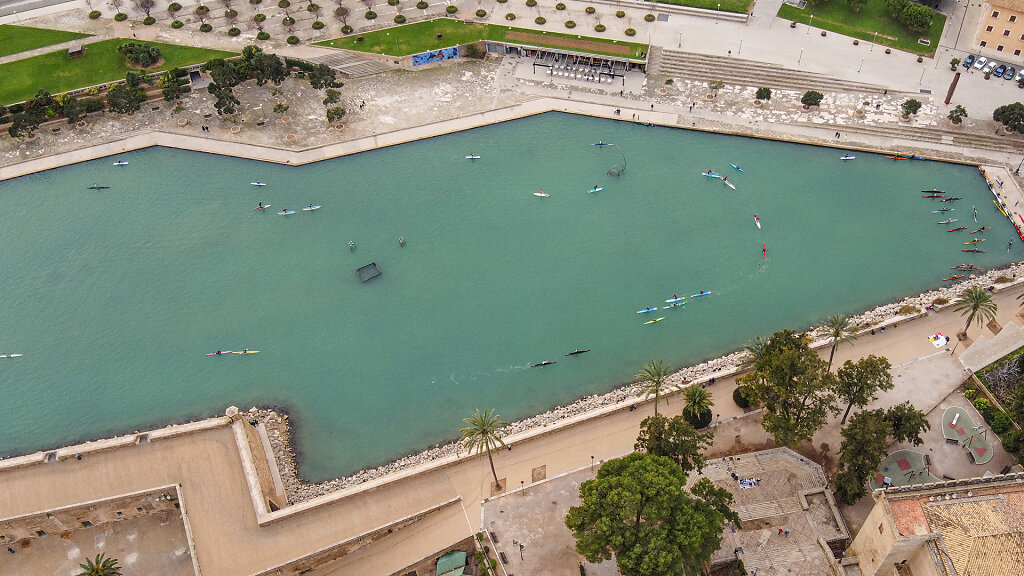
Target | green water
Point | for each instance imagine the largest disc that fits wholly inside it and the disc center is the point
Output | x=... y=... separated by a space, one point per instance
x=114 y=296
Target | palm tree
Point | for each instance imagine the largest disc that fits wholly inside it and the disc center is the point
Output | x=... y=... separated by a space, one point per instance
x=482 y=434
x=753 y=352
x=653 y=379
x=976 y=303
x=698 y=402
x=839 y=329
x=100 y=567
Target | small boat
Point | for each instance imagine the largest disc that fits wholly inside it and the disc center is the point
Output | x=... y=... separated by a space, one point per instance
x=934 y=196
x=646 y=310
x=675 y=305
x=974 y=250
x=601 y=143
x=898 y=157
x=544 y=363
x=264 y=207
x=258 y=183
x=735 y=166
x=941 y=210
x=949 y=221
x=699 y=294
x=757 y=221
x=220 y=353
x=710 y=174
x=594 y=189
x=247 y=351
x=957 y=229
x=97 y=187
x=472 y=157
x=1000 y=206
x=975 y=241
x=655 y=320
x=312 y=207
x=933 y=191
x=578 y=351
x=121 y=163
x=980 y=229
x=10 y=355
x=541 y=194
x=285 y=212
x=953 y=199
x=675 y=299
x=847 y=157
x=957 y=277
x=727 y=183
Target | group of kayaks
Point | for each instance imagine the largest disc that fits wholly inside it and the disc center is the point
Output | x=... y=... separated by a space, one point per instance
x=674 y=302
x=724 y=179
x=942 y=197
x=286 y=211
x=224 y=352
x=550 y=362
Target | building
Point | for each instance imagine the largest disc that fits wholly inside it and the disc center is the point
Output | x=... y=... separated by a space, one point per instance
x=1001 y=28
x=972 y=527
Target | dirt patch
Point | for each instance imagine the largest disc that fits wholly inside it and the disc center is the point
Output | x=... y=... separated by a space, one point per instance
x=570 y=43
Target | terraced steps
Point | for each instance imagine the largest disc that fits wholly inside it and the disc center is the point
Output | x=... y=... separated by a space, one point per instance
x=350 y=64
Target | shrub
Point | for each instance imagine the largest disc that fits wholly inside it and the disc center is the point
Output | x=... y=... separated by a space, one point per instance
x=570 y=24
x=669 y=81
x=620 y=14
x=94 y=14
x=293 y=39
x=334 y=114
x=1012 y=441
x=205 y=27
x=599 y=28
x=346 y=29
x=531 y=3
x=392 y=2
x=261 y=35
x=314 y=6
x=1003 y=280
x=940 y=301
x=202 y=10
x=985 y=408
x=649 y=18
x=283 y=4
x=811 y=98
x=911 y=106
x=139 y=54
x=177 y=24
x=630 y=32
x=259 y=17
x=452 y=9
x=148 y=21
x=370 y=15
x=970 y=393
x=1000 y=423
x=510 y=16
x=234 y=31
x=908 y=309
x=540 y=20
x=422 y=5
x=319 y=25
x=502 y=1
x=560 y=6
x=399 y=19
x=173 y=7
x=255 y=1
x=120 y=17
x=764 y=94
x=590 y=10
x=481 y=13
x=700 y=420
x=288 y=21
x=739 y=396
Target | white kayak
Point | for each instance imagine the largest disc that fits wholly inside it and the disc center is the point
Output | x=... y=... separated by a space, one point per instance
x=10 y=355
x=757 y=221
x=285 y=212
x=729 y=184
x=847 y=157
x=541 y=194
x=311 y=207
x=472 y=157
x=596 y=189
x=258 y=183
x=120 y=163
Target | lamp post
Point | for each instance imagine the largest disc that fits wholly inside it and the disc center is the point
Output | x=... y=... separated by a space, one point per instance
x=591 y=463
x=873 y=43
x=811 y=25
x=1017 y=171
x=861 y=65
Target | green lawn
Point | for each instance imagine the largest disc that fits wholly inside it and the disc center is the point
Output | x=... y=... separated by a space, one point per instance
x=15 y=39
x=422 y=36
x=100 y=63
x=739 y=6
x=840 y=18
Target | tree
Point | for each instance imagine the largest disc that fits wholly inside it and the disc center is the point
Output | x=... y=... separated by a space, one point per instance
x=957 y=115
x=895 y=7
x=838 y=329
x=753 y=352
x=322 y=76
x=342 y=13
x=764 y=94
x=639 y=512
x=222 y=73
x=124 y=100
x=954 y=63
x=858 y=384
x=100 y=566
x=674 y=438
x=333 y=96
x=1011 y=116
x=72 y=109
x=915 y=17
x=139 y=53
x=910 y=106
x=653 y=381
x=976 y=303
x=865 y=443
x=794 y=385
x=226 y=101
x=335 y=113
x=811 y=98
x=145 y=5
x=907 y=423
x=268 y=67
x=172 y=86
x=698 y=406
x=482 y=433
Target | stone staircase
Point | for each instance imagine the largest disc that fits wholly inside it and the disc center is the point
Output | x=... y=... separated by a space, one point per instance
x=351 y=64
x=654 y=55
x=768 y=509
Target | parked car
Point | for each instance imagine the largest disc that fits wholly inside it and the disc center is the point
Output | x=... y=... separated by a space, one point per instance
x=1009 y=73
x=990 y=67
x=1019 y=76
x=1000 y=71
x=969 y=60
x=980 y=63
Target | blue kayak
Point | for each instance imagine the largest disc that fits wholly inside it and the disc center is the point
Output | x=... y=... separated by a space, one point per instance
x=710 y=174
x=735 y=166
x=701 y=293
x=646 y=310
x=676 y=299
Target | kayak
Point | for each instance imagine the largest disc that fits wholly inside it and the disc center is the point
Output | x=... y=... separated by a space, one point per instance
x=653 y=321
x=247 y=352
x=544 y=363
x=578 y=351
x=1000 y=206
x=676 y=299
x=953 y=199
x=676 y=305
x=592 y=190
x=220 y=353
x=264 y=207
x=541 y=194
x=898 y=157
x=941 y=210
x=980 y=229
x=9 y=355
x=646 y=310
x=757 y=221
x=934 y=196
x=974 y=250
x=710 y=174
x=97 y=187
x=258 y=183
x=735 y=166
x=975 y=241
x=727 y=183
x=472 y=157
x=949 y=221
x=964 y=267
x=701 y=293
x=285 y=212
x=957 y=229
x=120 y=163
x=933 y=191
x=601 y=143
x=957 y=277
x=311 y=208
x=847 y=157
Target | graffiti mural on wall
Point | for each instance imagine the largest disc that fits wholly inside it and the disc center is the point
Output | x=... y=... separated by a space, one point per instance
x=435 y=56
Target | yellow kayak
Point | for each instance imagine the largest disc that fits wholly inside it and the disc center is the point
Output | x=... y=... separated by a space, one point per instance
x=655 y=320
x=1000 y=206
x=248 y=352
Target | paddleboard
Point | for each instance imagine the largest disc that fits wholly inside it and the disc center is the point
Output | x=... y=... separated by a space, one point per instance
x=735 y=166
x=258 y=183
x=311 y=208
x=285 y=212
x=727 y=183
x=120 y=163
x=757 y=221
x=541 y=194
x=264 y=207
x=472 y=157
x=10 y=355
x=710 y=174
x=847 y=157
x=699 y=294
x=221 y=353
x=592 y=190
x=247 y=352
x=646 y=310
x=655 y=320
x=676 y=299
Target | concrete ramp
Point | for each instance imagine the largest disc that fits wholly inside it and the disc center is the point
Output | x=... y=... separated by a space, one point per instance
x=985 y=351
